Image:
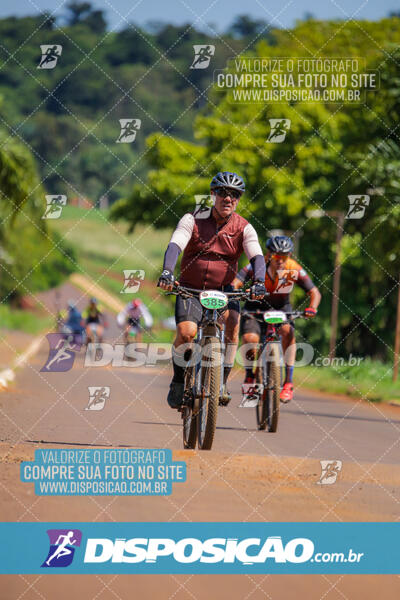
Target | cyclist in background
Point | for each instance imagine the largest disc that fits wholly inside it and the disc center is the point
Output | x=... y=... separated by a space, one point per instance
x=95 y=319
x=129 y=319
x=71 y=321
x=282 y=273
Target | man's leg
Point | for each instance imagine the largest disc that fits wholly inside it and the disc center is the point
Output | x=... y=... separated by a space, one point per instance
x=289 y=351
x=249 y=354
x=185 y=334
x=231 y=320
x=231 y=341
x=100 y=333
x=251 y=332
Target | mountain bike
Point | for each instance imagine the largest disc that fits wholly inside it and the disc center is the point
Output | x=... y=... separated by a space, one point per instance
x=269 y=366
x=202 y=381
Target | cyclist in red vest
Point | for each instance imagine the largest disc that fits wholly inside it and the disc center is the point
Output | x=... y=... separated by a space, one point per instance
x=211 y=249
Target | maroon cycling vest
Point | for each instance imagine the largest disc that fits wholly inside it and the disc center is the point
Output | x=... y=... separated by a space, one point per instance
x=210 y=260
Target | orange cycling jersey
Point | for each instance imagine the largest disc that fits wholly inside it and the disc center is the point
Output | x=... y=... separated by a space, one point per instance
x=280 y=287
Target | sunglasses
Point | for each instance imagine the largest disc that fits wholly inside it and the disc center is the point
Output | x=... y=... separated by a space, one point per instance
x=279 y=256
x=223 y=193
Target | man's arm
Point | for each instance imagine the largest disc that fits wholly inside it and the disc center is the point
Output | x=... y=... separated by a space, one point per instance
x=147 y=318
x=315 y=297
x=121 y=317
x=305 y=282
x=244 y=275
x=253 y=251
x=178 y=242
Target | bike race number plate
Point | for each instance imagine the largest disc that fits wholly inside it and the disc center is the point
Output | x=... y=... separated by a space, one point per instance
x=213 y=299
x=275 y=317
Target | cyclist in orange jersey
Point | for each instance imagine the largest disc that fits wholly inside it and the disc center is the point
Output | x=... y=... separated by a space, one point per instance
x=282 y=273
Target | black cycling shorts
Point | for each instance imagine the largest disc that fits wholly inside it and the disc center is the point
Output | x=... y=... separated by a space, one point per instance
x=251 y=325
x=134 y=323
x=190 y=309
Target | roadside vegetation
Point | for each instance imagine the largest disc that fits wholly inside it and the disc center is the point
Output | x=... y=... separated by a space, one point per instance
x=371 y=380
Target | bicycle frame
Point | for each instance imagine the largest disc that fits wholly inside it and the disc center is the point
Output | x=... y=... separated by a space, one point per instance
x=271 y=333
x=208 y=327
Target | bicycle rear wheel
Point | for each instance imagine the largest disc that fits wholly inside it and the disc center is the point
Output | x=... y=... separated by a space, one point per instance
x=189 y=412
x=209 y=397
x=267 y=410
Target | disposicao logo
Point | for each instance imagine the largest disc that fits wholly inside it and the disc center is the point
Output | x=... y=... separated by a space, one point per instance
x=61 y=353
x=62 y=547
x=190 y=550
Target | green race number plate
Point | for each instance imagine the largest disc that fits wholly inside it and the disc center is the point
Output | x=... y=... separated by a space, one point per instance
x=213 y=299
x=275 y=317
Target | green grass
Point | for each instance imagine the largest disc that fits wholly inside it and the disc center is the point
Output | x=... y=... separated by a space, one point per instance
x=96 y=238
x=371 y=380
x=23 y=320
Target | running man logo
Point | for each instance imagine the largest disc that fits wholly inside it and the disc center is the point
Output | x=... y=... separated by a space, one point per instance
x=61 y=354
x=54 y=206
x=357 y=206
x=252 y=393
x=203 y=208
x=129 y=129
x=132 y=281
x=50 y=56
x=279 y=129
x=287 y=279
x=330 y=469
x=202 y=56
x=97 y=397
x=63 y=543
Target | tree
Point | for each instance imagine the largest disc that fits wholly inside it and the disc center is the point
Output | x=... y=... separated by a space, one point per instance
x=245 y=26
x=321 y=163
x=83 y=13
x=30 y=257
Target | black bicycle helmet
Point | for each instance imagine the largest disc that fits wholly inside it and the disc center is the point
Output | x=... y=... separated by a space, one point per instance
x=226 y=179
x=281 y=244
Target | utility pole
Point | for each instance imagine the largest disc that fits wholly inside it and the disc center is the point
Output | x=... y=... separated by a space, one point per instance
x=397 y=338
x=336 y=281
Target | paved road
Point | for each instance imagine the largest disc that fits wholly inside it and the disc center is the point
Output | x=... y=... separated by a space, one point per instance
x=249 y=475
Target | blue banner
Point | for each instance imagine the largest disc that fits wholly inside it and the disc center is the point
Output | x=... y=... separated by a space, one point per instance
x=205 y=548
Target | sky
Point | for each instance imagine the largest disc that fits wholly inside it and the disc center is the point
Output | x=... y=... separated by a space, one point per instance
x=220 y=13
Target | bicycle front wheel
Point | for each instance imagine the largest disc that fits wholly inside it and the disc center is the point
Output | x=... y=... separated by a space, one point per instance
x=189 y=412
x=209 y=396
x=267 y=409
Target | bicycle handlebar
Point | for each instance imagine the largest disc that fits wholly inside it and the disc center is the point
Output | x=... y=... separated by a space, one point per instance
x=296 y=314
x=181 y=290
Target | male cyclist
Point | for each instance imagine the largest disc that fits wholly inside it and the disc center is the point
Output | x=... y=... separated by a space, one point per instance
x=129 y=319
x=74 y=321
x=282 y=273
x=94 y=318
x=211 y=249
